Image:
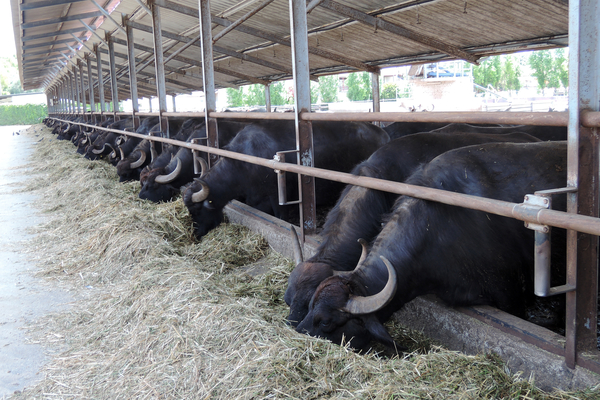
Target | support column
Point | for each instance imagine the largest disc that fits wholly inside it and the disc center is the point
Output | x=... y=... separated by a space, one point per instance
x=91 y=87
x=77 y=87
x=113 y=75
x=208 y=75
x=304 y=137
x=82 y=90
x=161 y=88
x=375 y=90
x=100 y=81
x=132 y=73
x=582 y=172
x=268 y=97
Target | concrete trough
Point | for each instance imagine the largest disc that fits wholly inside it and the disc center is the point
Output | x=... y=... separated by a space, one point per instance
x=525 y=347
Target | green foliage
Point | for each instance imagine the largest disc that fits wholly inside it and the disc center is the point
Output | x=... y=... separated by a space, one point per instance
x=9 y=76
x=499 y=72
x=389 y=91
x=359 y=86
x=278 y=94
x=28 y=114
x=235 y=97
x=550 y=68
x=254 y=95
x=488 y=72
x=328 y=88
x=314 y=92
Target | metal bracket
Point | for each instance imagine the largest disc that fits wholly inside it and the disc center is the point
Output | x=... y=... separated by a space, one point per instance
x=543 y=200
x=196 y=155
x=281 y=182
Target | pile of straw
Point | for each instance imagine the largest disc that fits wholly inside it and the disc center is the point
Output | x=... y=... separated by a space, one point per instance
x=160 y=315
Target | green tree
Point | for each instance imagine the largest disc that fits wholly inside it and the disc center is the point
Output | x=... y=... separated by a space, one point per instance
x=254 y=95
x=9 y=76
x=314 y=92
x=278 y=94
x=235 y=97
x=510 y=75
x=488 y=72
x=550 y=68
x=329 y=88
x=359 y=86
x=389 y=91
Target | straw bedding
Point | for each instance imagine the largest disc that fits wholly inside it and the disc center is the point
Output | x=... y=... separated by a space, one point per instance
x=160 y=315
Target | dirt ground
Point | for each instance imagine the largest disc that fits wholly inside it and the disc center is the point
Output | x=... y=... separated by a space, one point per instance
x=23 y=298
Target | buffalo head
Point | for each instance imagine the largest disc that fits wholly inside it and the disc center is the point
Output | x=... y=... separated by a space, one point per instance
x=341 y=311
x=206 y=212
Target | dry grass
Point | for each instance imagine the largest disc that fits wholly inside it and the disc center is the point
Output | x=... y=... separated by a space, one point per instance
x=163 y=316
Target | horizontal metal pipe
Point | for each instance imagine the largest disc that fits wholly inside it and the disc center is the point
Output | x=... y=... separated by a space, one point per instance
x=588 y=118
x=512 y=118
x=560 y=219
x=199 y=114
x=253 y=115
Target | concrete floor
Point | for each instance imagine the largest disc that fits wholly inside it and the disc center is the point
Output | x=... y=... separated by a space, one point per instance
x=23 y=298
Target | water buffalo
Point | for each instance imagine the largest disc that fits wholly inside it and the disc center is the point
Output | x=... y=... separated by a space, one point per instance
x=463 y=256
x=337 y=146
x=359 y=211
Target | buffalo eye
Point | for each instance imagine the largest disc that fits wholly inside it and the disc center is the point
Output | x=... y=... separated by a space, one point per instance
x=209 y=204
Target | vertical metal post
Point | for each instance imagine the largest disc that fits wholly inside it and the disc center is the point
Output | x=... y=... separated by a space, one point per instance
x=81 y=81
x=113 y=74
x=100 y=81
x=71 y=94
x=150 y=103
x=208 y=75
x=132 y=73
x=161 y=89
x=304 y=137
x=268 y=97
x=91 y=86
x=173 y=97
x=77 y=89
x=375 y=91
x=582 y=172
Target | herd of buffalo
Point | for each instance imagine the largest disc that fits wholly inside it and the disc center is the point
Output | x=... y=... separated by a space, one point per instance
x=378 y=250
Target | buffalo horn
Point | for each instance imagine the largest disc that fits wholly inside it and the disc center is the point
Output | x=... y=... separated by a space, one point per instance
x=140 y=161
x=163 y=179
x=67 y=128
x=202 y=194
x=99 y=151
x=370 y=304
x=203 y=165
x=122 y=154
x=363 y=255
x=298 y=256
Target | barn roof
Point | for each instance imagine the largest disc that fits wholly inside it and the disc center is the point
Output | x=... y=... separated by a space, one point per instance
x=349 y=36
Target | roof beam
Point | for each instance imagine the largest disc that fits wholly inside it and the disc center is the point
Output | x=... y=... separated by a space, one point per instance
x=218 y=49
x=46 y=3
x=270 y=37
x=52 y=34
x=61 y=19
x=48 y=51
x=406 y=33
x=33 y=46
x=107 y=15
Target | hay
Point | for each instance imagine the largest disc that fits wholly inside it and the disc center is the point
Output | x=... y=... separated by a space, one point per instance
x=164 y=316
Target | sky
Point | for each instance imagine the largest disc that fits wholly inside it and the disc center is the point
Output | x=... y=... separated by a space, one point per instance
x=7 y=44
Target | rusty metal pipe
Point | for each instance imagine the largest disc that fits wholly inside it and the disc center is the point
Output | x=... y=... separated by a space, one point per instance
x=560 y=219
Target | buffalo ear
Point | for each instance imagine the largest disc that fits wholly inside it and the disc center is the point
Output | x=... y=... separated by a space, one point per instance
x=379 y=333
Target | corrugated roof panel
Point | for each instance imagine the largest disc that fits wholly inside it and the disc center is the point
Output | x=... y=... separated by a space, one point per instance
x=342 y=36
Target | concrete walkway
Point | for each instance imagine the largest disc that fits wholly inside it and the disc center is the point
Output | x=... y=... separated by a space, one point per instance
x=23 y=299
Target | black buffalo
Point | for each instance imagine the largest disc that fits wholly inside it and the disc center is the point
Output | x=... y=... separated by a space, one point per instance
x=359 y=211
x=337 y=146
x=465 y=257
x=163 y=183
x=106 y=141
x=145 y=152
